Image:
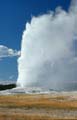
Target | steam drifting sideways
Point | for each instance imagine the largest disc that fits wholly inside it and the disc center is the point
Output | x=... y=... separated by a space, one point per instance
x=48 y=53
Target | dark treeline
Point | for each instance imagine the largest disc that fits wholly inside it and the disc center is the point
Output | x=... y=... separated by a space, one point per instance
x=9 y=86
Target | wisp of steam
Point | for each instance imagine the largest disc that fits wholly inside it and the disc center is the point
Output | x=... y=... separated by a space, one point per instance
x=48 y=50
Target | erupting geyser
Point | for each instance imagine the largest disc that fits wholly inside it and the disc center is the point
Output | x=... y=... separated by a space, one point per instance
x=48 y=56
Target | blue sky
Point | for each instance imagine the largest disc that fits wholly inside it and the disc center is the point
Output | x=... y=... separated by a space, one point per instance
x=13 y=16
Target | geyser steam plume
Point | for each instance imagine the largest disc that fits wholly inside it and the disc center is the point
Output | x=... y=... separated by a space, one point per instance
x=48 y=53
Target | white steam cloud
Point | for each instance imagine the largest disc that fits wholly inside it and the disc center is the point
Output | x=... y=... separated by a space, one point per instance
x=48 y=56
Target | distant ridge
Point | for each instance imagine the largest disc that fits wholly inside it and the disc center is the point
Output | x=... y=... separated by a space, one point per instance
x=8 y=86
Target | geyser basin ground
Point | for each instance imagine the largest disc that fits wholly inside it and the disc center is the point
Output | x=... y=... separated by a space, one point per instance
x=14 y=90
x=39 y=107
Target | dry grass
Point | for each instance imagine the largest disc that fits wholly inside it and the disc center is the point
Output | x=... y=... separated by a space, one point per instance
x=37 y=101
x=32 y=117
x=25 y=117
x=11 y=107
